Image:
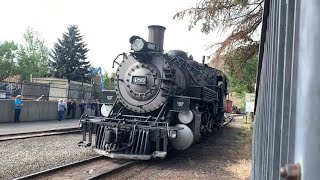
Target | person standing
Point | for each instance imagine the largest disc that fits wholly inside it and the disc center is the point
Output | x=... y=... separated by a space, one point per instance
x=89 y=107
x=73 y=108
x=69 y=108
x=96 y=107
x=92 y=107
x=61 y=108
x=100 y=107
x=82 y=107
x=18 y=106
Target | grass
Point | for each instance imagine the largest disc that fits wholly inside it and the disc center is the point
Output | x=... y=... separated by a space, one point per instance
x=246 y=133
x=242 y=168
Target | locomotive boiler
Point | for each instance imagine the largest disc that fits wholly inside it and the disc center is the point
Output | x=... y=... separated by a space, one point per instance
x=160 y=101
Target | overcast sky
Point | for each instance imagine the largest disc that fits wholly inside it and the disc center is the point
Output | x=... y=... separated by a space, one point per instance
x=106 y=26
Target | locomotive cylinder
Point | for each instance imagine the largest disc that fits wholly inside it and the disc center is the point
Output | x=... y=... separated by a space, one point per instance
x=156 y=35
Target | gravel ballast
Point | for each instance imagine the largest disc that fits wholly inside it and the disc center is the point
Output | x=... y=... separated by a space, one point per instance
x=222 y=156
x=26 y=156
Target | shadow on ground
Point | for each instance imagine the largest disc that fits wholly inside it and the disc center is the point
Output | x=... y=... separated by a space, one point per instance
x=223 y=155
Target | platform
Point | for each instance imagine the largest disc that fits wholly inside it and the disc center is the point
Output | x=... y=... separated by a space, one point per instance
x=34 y=126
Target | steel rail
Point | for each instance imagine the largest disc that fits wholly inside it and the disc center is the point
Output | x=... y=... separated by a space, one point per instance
x=25 y=135
x=76 y=164
x=52 y=170
x=112 y=171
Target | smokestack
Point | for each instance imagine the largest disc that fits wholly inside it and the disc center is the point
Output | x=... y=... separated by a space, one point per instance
x=156 y=35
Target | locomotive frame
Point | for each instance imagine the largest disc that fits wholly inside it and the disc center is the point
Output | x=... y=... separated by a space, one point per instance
x=160 y=100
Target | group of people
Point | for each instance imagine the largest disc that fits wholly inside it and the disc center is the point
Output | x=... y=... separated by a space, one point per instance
x=93 y=107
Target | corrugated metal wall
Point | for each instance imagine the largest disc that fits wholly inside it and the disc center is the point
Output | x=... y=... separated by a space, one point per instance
x=287 y=112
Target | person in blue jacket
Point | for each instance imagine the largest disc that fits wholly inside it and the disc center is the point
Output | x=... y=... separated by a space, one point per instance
x=17 y=106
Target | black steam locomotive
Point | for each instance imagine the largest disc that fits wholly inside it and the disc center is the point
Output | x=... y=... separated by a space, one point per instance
x=160 y=100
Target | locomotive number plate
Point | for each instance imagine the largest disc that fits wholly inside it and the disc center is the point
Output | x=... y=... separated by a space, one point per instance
x=139 y=79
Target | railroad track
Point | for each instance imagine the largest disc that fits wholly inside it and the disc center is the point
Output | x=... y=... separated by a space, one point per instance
x=89 y=169
x=24 y=135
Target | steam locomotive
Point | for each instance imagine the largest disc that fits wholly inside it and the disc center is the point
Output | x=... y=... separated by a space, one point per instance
x=161 y=101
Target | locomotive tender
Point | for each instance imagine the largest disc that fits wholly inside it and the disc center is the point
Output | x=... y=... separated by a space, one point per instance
x=160 y=100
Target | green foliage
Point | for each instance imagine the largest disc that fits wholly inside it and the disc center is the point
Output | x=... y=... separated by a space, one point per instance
x=108 y=84
x=69 y=57
x=240 y=17
x=108 y=80
x=242 y=74
x=8 y=54
x=33 y=56
x=246 y=132
x=96 y=91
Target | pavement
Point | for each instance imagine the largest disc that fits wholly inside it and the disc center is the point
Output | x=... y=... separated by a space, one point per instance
x=34 y=126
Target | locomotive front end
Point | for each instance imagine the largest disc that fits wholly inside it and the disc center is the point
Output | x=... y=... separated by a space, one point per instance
x=159 y=100
x=135 y=124
x=128 y=137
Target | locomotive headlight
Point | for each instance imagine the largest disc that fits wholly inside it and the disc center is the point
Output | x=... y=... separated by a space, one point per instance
x=137 y=44
x=172 y=134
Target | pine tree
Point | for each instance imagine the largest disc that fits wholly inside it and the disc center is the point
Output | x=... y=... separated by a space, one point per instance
x=69 y=57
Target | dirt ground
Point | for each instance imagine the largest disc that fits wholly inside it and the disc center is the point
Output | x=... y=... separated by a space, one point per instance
x=224 y=155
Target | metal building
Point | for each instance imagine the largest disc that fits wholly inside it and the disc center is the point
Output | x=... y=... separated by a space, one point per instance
x=287 y=112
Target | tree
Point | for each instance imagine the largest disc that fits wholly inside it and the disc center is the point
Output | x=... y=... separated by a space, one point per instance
x=33 y=56
x=8 y=54
x=108 y=80
x=69 y=57
x=241 y=17
x=243 y=81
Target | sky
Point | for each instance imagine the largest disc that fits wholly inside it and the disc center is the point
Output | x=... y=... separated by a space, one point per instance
x=106 y=26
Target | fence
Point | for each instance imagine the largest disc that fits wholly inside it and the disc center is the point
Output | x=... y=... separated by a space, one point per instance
x=31 y=111
x=287 y=127
x=50 y=91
